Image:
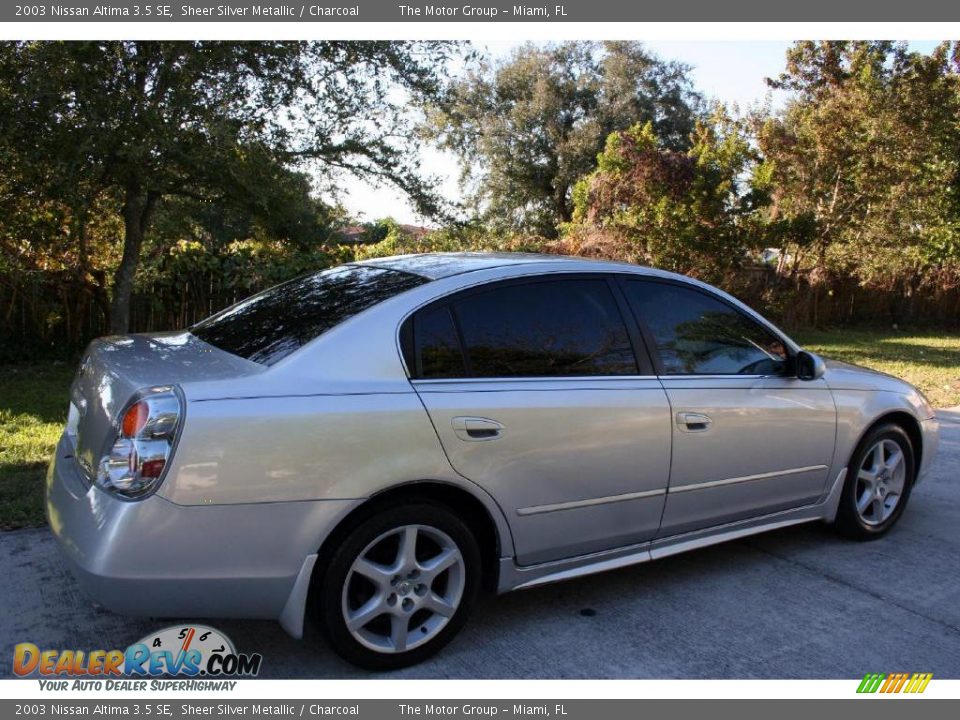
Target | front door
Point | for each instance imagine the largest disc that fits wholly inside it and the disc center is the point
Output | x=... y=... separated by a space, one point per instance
x=536 y=395
x=749 y=438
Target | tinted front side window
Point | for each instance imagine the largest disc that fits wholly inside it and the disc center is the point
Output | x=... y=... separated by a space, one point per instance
x=270 y=325
x=545 y=329
x=699 y=335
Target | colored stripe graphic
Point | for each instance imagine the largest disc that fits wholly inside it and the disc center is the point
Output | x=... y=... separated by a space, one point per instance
x=871 y=682
x=918 y=683
x=894 y=683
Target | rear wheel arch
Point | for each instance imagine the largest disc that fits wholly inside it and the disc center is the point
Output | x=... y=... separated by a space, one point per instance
x=461 y=502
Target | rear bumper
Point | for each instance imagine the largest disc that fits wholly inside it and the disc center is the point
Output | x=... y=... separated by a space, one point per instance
x=155 y=558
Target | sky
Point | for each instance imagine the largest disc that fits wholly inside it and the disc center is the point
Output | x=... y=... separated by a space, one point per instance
x=730 y=71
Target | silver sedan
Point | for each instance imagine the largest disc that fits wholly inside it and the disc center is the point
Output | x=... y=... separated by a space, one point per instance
x=368 y=446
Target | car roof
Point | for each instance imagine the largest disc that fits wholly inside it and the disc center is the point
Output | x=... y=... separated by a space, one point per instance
x=442 y=265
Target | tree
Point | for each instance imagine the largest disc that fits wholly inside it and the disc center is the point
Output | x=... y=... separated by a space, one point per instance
x=693 y=212
x=143 y=122
x=528 y=128
x=865 y=161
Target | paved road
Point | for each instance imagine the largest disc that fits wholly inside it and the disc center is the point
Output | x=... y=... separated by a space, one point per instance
x=797 y=603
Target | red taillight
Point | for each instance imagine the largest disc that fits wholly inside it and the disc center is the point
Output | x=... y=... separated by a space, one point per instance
x=152 y=468
x=134 y=419
x=134 y=465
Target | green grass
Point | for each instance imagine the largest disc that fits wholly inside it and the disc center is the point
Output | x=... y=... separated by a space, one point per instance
x=33 y=410
x=928 y=360
x=33 y=401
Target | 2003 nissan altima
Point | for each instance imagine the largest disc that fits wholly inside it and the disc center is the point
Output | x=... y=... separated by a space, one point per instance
x=384 y=437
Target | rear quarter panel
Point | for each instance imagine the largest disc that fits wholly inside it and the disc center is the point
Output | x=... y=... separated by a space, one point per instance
x=315 y=447
x=337 y=420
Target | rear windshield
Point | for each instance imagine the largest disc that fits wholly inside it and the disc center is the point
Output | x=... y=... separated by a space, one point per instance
x=270 y=325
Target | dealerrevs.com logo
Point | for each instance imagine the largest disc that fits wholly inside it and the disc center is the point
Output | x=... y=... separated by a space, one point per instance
x=191 y=651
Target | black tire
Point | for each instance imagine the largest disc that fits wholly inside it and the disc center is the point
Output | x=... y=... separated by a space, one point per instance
x=330 y=581
x=849 y=521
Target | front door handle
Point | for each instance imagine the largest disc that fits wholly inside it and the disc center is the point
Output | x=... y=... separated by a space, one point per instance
x=693 y=422
x=472 y=429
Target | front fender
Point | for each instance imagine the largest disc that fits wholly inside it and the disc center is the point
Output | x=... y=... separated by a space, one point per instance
x=859 y=410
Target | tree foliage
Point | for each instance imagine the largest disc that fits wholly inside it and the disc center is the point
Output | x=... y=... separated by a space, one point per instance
x=137 y=123
x=690 y=211
x=190 y=172
x=528 y=128
x=855 y=181
x=864 y=162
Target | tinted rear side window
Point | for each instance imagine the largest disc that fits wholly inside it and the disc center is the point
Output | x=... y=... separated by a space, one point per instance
x=270 y=325
x=696 y=334
x=544 y=329
x=438 y=348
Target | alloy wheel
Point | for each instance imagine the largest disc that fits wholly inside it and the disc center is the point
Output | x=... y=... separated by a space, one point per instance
x=403 y=588
x=880 y=482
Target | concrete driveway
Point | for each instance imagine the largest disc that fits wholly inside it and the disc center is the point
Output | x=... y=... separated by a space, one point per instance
x=797 y=603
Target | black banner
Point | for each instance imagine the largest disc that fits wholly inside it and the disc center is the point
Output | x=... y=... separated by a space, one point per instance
x=175 y=709
x=482 y=11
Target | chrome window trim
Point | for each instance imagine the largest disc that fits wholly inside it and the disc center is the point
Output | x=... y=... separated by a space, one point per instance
x=532 y=379
x=591 y=378
x=725 y=376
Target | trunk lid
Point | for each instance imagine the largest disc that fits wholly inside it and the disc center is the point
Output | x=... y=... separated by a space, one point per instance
x=114 y=368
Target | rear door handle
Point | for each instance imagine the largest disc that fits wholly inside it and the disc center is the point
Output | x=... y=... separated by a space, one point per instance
x=472 y=429
x=693 y=422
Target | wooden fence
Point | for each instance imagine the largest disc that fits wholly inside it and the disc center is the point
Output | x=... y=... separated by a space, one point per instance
x=55 y=315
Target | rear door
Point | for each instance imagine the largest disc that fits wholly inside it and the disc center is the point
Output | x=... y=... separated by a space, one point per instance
x=749 y=438
x=536 y=393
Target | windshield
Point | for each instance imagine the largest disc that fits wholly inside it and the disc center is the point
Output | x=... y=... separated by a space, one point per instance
x=274 y=323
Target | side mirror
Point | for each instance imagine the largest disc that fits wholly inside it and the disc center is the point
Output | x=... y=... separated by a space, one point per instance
x=809 y=366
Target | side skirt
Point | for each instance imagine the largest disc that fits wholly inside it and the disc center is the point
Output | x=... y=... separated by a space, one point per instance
x=516 y=577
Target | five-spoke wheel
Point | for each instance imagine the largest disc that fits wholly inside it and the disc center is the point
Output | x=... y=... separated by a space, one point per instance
x=399 y=586
x=879 y=479
x=403 y=588
x=880 y=482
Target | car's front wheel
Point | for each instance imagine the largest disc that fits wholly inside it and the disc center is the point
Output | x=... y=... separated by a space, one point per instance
x=879 y=480
x=399 y=586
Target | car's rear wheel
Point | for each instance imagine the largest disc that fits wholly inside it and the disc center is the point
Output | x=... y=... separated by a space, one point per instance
x=879 y=480
x=400 y=586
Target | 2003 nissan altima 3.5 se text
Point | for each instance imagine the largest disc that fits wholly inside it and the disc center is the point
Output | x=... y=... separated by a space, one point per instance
x=367 y=446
